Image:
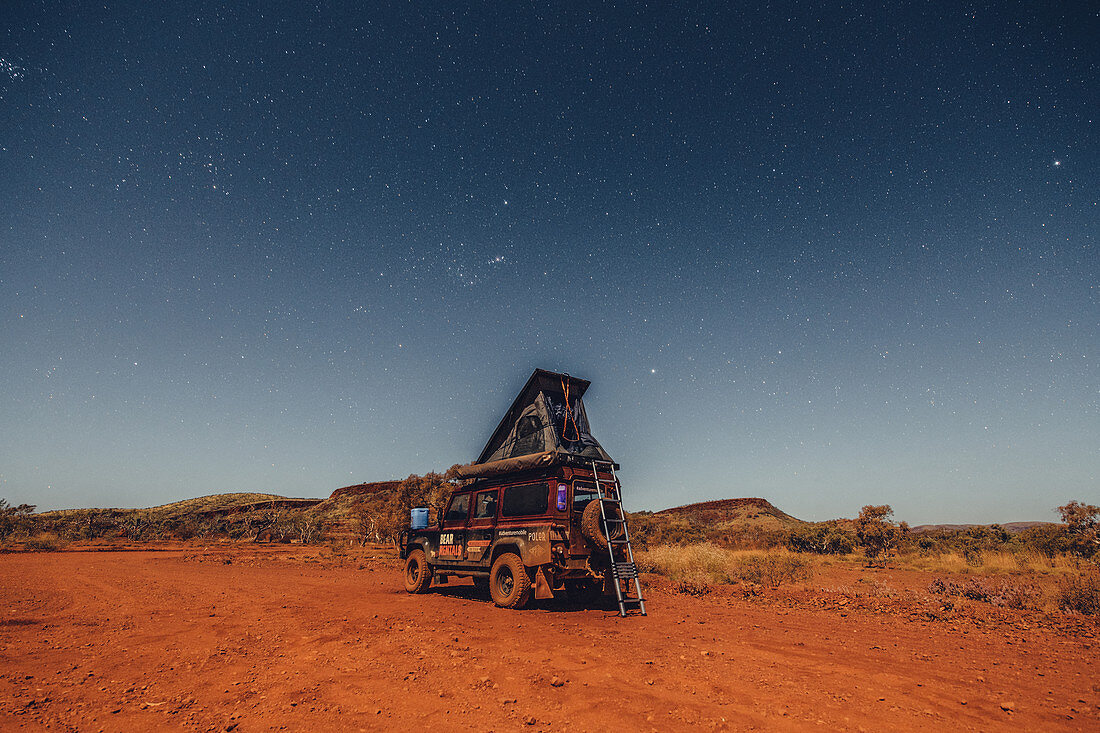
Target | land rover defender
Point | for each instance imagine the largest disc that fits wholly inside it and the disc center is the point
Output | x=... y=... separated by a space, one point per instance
x=538 y=513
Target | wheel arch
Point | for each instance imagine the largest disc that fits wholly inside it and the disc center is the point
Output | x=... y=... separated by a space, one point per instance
x=501 y=547
x=418 y=544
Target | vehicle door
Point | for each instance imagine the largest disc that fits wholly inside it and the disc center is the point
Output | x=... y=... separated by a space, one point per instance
x=584 y=492
x=452 y=537
x=482 y=525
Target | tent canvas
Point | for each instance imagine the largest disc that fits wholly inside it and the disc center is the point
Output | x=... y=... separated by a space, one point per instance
x=546 y=417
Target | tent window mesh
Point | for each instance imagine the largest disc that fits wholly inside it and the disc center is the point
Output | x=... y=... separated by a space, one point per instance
x=528 y=436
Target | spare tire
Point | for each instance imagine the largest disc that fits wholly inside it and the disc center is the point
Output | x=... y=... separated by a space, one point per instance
x=592 y=523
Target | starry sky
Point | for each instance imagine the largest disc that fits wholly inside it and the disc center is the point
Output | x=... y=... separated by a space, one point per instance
x=829 y=254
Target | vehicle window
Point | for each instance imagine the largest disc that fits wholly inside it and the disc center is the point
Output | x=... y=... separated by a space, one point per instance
x=582 y=494
x=459 y=508
x=486 y=506
x=521 y=501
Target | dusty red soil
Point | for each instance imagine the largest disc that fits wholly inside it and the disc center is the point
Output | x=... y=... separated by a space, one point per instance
x=252 y=639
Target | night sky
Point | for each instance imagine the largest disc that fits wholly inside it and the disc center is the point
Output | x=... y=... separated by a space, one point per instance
x=829 y=254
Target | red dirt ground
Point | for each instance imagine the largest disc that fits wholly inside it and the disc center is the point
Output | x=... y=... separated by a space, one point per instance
x=274 y=639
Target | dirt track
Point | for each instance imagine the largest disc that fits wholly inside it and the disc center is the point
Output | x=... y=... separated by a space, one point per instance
x=283 y=640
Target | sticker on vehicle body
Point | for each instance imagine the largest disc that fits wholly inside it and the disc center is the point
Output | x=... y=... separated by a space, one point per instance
x=512 y=533
x=450 y=550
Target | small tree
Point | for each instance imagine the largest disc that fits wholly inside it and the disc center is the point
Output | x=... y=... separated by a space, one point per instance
x=14 y=518
x=247 y=528
x=88 y=524
x=1082 y=527
x=309 y=527
x=429 y=490
x=134 y=526
x=158 y=529
x=282 y=530
x=270 y=519
x=362 y=523
x=209 y=528
x=825 y=538
x=391 y=515
x=876 y=533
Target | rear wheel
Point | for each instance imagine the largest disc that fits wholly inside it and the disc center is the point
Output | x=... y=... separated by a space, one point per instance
x=418 y=573
x=509 y=583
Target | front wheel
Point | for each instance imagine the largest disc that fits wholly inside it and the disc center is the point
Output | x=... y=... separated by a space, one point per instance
x=418 y=573
x=509 y=583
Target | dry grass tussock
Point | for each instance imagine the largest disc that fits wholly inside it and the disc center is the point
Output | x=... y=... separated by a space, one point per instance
x=989 y=563
x=1002 y=592
x=1080 y=593
x=694 y=567
x=44 y=542
x=1075 y=592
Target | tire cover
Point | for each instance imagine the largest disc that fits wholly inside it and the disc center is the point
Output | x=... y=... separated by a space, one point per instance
x=592 y=524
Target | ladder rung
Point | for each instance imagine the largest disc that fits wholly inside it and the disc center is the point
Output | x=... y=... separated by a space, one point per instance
x=625 y=570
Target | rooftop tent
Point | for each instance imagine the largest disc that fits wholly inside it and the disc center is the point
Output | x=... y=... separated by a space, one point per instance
x=545 y=424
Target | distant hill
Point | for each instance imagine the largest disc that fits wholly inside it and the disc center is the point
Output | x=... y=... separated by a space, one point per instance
x=365 y=489
x=1010 y=527
x=718 y=518
x=748 y=520
x=337 y=510
x=749 y=510
x=212 y=505
x=337 y=505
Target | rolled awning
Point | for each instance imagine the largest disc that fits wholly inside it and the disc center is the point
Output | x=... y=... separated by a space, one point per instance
x=524 y=463
x=509 y=465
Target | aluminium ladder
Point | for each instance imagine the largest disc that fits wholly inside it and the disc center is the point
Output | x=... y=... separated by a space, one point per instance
x=623 y=568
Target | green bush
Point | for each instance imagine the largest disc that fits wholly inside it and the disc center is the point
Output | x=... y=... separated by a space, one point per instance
x=824 y=538
x=14 y=519
x=1082 y=528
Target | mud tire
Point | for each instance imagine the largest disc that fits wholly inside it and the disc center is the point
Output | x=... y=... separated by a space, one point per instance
x=418 y=573
x=509 y=583
x=592 y=523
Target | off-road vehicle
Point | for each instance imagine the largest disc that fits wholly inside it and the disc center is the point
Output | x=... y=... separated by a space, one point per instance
x=538 y=513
